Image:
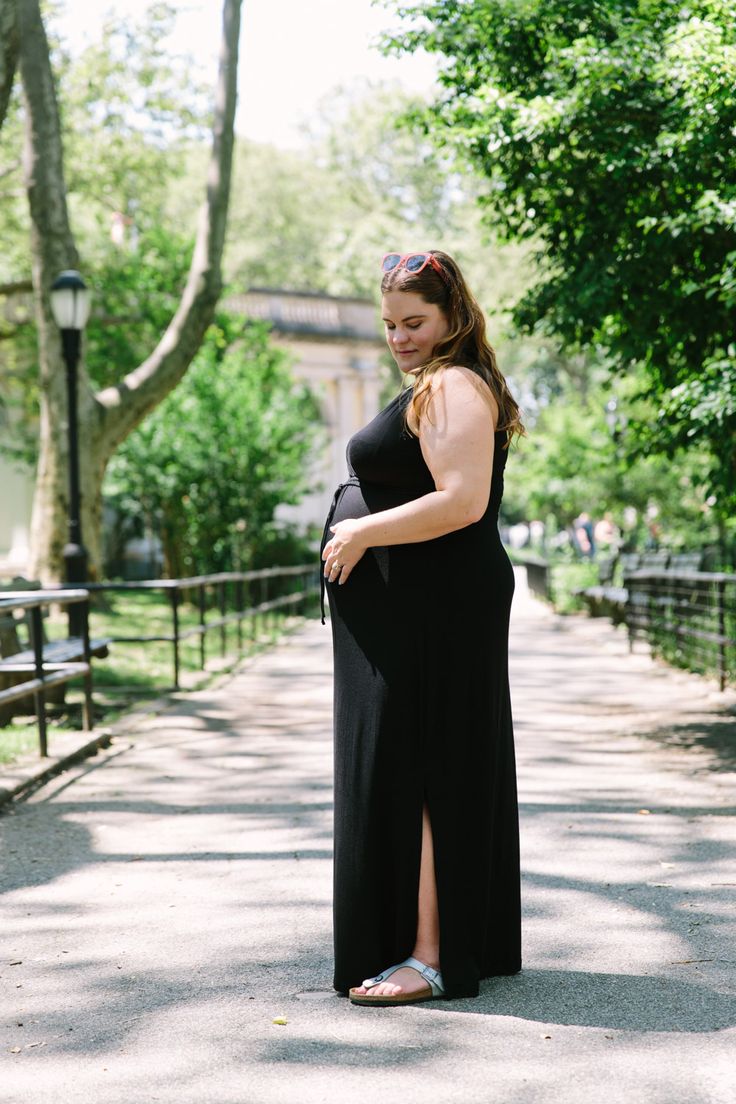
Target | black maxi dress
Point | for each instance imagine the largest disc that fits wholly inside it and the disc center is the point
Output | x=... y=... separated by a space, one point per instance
x=422 y=712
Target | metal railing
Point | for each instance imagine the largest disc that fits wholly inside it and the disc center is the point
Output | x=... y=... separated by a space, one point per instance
x=43 y=672
x=689 y=618
x=226 y=599
x=537 y=573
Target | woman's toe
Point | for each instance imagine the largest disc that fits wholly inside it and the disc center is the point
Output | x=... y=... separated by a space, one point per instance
x=382 y=989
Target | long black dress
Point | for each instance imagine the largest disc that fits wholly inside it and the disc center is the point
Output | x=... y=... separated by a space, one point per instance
x=422 y=711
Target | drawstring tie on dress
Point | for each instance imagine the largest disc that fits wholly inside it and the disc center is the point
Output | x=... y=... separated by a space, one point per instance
x=353 y=481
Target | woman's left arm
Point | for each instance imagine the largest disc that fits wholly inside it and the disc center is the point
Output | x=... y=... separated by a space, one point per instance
x=457 y=437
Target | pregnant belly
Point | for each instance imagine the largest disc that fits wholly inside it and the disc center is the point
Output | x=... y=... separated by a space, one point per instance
x=354 y=499
x=452 y=567
x=360 y=499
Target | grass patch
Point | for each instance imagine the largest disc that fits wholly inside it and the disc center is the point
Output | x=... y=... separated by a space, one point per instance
x=18 y=740
x=567 y=576
x=138 y=671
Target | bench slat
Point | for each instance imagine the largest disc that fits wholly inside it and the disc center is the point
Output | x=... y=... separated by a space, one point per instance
x=57 y=651
x=10 y=667
x=32 y=686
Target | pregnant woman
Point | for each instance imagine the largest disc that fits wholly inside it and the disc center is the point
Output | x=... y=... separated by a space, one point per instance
x=426 y=874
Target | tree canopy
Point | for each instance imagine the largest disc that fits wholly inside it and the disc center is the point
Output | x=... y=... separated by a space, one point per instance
x=209 y=467
x=111 y=108
x=603 y=134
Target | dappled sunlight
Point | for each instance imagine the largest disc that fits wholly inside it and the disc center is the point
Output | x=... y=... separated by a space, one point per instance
x=179 y=886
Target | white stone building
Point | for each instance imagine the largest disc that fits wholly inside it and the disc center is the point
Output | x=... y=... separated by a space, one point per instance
x=336 y=347
x=16 y=496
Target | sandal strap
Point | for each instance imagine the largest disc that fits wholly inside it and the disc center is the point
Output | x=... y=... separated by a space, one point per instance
x=431 y=976
x=434 y=977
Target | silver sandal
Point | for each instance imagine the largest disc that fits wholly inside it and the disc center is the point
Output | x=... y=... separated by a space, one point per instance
x=435 y=989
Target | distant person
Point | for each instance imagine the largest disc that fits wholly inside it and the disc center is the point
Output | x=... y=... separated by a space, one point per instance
x=583 y=529
x=606 y=532
x=519 y=534
x=654 y=533
x=420 y=587
x=537 y=532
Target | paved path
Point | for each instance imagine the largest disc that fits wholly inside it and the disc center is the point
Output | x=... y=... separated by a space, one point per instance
x=167 y=901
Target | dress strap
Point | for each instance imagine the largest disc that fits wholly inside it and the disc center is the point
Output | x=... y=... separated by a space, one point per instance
x=353 y=481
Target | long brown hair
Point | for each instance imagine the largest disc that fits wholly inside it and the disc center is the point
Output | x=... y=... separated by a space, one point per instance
x=466 y=343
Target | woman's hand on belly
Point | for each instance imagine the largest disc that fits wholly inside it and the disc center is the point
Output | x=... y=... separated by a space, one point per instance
x=343 y=551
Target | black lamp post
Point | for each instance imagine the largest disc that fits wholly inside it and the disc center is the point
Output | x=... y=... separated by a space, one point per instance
x=70 y=303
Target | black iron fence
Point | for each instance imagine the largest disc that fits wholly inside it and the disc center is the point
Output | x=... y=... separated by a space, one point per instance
x=36 y=670
x=688 y=618
x=245 y=604
x=239 y=601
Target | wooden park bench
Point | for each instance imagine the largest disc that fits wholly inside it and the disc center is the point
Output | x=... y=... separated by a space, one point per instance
x=42 y=665
x=609 y=600
x=647 y=603
x=604 y=599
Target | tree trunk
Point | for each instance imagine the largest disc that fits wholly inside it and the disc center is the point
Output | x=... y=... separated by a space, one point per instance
x=8 y=52
x=106 y=418
x=52 y=250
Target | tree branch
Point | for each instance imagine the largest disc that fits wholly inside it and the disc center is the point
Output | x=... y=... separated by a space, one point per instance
x=16 y=287
x=52 y=243
x=8 y=52
x=127 y=403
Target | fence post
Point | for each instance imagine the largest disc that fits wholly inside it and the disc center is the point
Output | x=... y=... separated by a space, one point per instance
x=202 y=598
x=629 y=613
x=223 y=609
x=239 y=613
x=175 y=598
x=87 y=708
x=721 y=590
x=251 y=599
x=264 y=598
x=39 y=696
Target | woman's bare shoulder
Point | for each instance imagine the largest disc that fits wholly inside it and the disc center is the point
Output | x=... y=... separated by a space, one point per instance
x=456 y=379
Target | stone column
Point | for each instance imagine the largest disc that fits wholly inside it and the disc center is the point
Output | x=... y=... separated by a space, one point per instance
x=346 y=421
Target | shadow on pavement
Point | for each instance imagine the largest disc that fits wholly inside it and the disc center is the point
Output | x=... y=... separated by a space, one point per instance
x=716 y=735
x=620 y=1002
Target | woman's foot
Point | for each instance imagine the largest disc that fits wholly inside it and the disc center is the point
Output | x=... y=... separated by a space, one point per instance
x=406 y=981
x=410 y=981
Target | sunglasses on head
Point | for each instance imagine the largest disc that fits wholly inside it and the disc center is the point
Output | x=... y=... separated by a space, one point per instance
x=412 y=262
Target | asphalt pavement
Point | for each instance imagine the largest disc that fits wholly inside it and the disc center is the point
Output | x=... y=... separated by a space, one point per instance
x=165 y=906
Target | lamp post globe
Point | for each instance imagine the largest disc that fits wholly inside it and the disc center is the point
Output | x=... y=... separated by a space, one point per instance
x=70 y=304
x=70 y=301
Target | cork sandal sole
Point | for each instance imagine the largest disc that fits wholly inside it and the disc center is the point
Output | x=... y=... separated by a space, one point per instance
x=400 y=998
x=435 y=990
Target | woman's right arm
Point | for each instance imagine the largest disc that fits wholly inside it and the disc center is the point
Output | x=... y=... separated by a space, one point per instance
x=457 y=441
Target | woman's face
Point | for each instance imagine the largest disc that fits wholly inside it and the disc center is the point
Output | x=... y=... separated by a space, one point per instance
x=413 y=328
